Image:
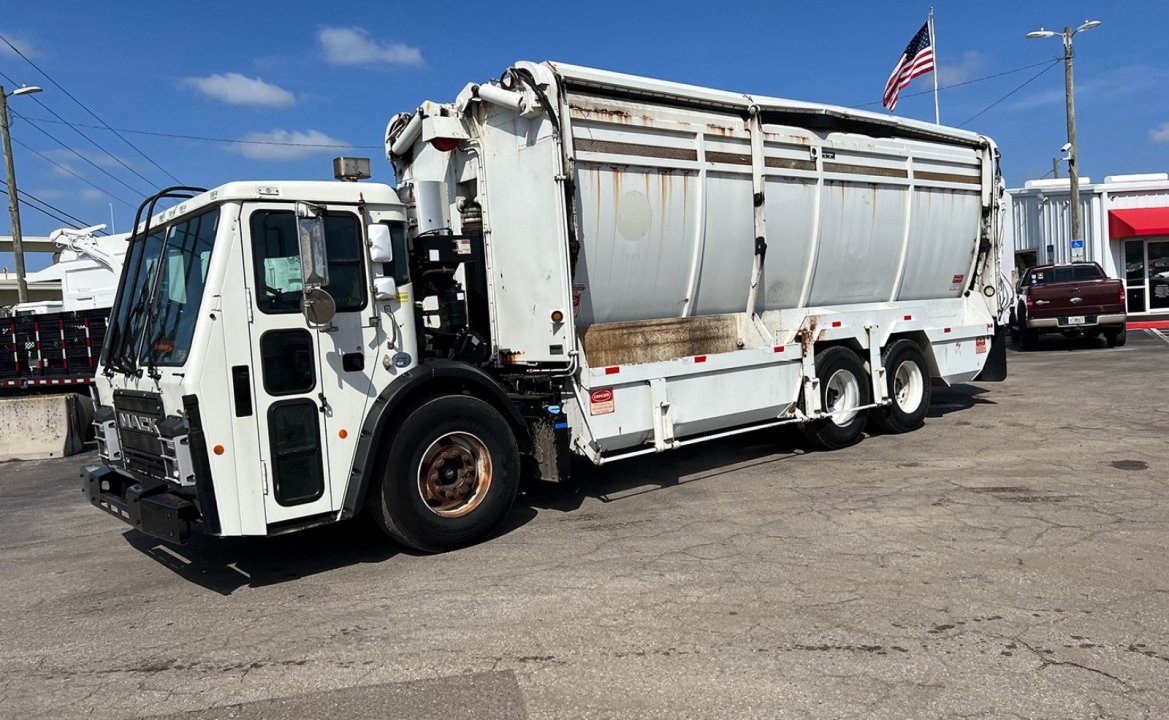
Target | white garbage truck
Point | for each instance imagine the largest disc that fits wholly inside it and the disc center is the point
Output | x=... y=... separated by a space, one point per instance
x=574 y=263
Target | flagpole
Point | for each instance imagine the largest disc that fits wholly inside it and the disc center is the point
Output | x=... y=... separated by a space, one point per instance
x=934 y=46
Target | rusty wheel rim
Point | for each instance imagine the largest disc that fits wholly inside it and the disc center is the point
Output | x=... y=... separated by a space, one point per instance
x=454 y=474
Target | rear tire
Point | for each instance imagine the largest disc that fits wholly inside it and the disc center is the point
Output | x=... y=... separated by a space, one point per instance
x=844 y=384
x=450 y=475
x=907 y=378
x=1116 y=338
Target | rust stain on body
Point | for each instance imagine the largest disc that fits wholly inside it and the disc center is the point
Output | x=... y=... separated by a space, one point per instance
x=646 y=341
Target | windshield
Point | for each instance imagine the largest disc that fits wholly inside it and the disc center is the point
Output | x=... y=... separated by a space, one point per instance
x=154 y=316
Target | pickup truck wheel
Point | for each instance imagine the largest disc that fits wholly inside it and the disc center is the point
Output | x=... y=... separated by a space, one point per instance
x=844 y=385
x=1116 y=338
x=907 y=379
x=451 y=474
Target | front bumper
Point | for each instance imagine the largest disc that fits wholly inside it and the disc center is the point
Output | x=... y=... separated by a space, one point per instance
x=1091 y=321
x=148 y=506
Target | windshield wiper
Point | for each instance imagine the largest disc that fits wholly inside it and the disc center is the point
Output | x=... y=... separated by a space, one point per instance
x=123 y=361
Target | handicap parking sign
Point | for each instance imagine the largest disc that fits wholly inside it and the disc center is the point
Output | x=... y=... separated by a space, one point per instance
x=1077 y=244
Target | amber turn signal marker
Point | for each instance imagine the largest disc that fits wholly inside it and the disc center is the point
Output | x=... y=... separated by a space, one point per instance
x=557 y=316
x=218 y=450
x=342 y=433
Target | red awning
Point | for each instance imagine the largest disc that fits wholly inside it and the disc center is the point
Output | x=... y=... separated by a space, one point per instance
x=1137 y=222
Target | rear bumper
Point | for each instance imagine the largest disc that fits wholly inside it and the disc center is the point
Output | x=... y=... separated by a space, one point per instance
x=1060 y=323
x=148 y=507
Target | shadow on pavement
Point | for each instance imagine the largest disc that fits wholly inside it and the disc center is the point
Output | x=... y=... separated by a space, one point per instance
x=228 y=564
x=955 y=398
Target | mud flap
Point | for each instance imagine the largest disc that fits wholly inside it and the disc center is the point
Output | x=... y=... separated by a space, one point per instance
x=995 y=369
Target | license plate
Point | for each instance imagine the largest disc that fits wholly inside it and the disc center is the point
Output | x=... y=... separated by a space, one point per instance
x=1075 y=320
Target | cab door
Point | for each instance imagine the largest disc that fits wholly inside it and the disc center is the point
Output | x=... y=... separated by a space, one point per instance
x=310 y=382
x=286 y=368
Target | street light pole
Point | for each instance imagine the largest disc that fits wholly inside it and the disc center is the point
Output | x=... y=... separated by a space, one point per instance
x=1073 y=157
x=13 y=198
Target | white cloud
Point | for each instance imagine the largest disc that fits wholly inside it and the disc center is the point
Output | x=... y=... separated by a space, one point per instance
x=96 y=157
x=22 y=44
x=1109 y=85
x=281 y=144
x=90 y=195
x=353 y=46
x=1160 y=134
x=972 y=64
x=236 y=89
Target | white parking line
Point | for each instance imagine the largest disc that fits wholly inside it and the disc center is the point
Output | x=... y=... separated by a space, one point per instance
x=1158 y=334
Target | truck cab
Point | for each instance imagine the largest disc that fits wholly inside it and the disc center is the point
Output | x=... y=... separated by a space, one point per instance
x=234 y=356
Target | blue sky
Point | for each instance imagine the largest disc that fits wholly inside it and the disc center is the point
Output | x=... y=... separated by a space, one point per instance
x=334 y=73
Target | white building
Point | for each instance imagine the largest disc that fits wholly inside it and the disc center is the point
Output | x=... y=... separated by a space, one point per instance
x=1125 y=222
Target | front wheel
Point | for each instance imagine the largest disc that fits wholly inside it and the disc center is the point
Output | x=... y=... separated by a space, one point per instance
x=452 y=472
x=907 y=380
x=844 y=386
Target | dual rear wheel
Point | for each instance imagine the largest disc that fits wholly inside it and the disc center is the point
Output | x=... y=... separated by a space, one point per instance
x=844 y=387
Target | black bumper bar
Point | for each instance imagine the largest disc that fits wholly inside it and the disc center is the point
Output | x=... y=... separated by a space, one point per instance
x=148 y=506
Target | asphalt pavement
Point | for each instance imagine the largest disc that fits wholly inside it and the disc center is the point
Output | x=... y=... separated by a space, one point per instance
x=1006 y=560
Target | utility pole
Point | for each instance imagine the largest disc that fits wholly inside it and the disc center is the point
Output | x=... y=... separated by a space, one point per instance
x=1077 y=239
x=1073 y=161
x=13 y=198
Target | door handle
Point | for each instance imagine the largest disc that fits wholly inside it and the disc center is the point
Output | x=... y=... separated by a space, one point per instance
x=324 y=402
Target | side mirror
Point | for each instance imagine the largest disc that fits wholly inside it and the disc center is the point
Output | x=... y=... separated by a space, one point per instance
x=381 y=249
x=314 y=258
x=318 y=306
x=385 y=288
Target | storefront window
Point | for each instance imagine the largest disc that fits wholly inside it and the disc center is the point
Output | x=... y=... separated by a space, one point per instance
x=1158 y=272
x=1134 y=274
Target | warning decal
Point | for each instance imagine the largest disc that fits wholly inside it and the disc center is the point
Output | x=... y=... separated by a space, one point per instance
x=601 y=401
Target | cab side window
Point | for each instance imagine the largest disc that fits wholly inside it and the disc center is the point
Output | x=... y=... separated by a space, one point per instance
x=276 y=260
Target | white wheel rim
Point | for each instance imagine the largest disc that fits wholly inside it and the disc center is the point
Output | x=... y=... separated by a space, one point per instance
x=842 y=396
x=908 y=387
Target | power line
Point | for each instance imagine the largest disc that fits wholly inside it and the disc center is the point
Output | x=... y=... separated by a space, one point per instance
x=77 y=130
x=92 y=113
x=62 y=143
x=64 y=169
x=29 y=195
x=203 y=138
x=1027 y=82
x=964 y=82
x=72 y=222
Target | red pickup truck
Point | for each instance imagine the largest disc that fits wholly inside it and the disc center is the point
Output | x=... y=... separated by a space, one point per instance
x=1073 y=299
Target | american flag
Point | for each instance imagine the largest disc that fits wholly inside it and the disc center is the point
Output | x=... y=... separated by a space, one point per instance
x=918 y=59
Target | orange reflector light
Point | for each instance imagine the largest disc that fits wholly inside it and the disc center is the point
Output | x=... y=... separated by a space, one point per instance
x=557 y=316
x=342 y=433
x=218 y=450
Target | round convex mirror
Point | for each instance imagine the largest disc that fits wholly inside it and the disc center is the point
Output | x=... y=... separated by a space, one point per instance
x=318 y=306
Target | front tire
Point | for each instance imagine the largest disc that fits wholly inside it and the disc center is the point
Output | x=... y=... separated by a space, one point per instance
x=907 y=379
x=452 y=472
x=844 y=385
